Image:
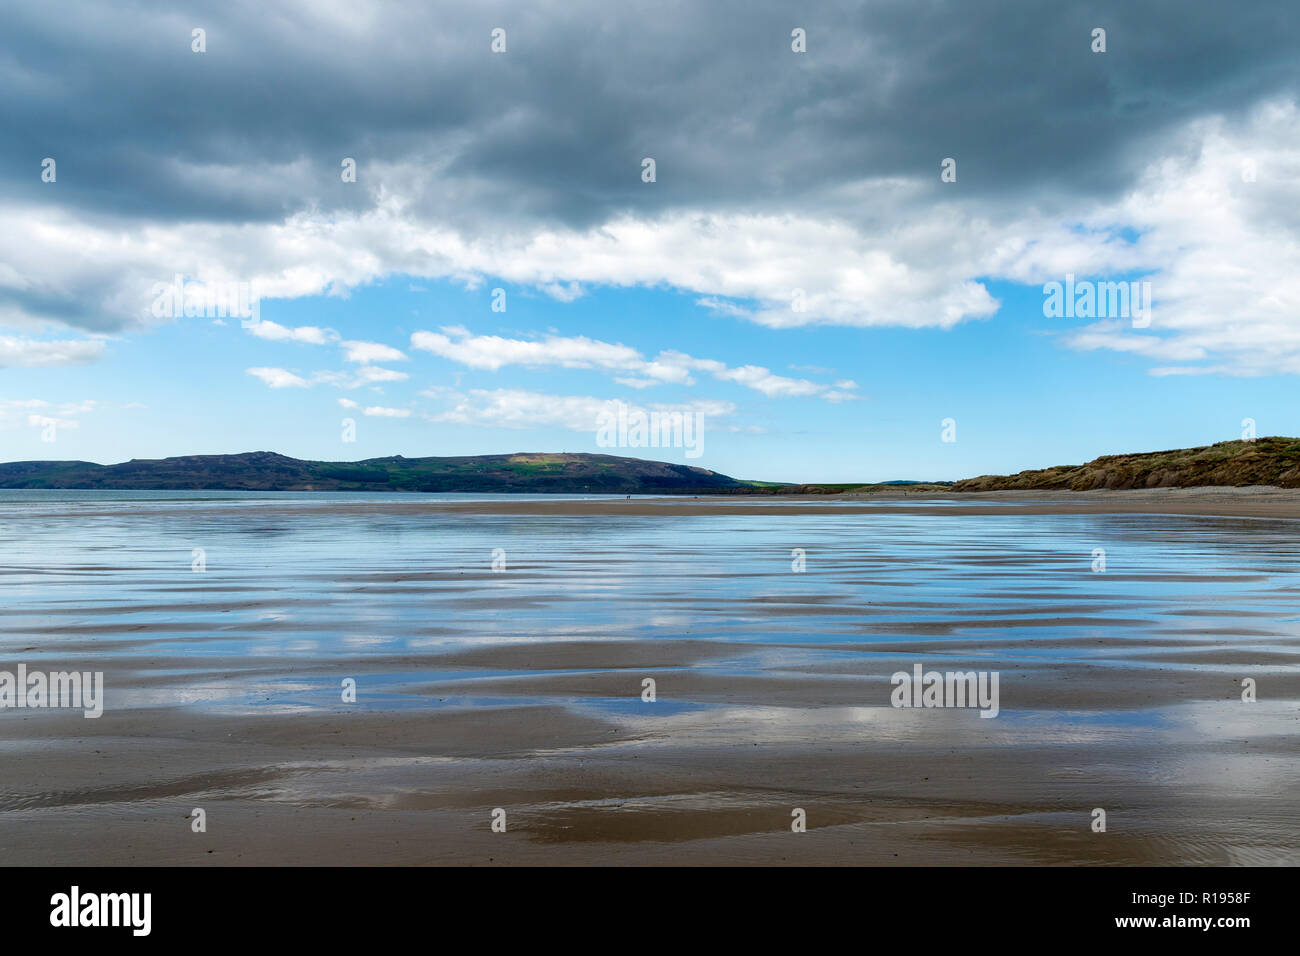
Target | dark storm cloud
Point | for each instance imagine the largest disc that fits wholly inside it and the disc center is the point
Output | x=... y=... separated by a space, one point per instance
x=554 y=130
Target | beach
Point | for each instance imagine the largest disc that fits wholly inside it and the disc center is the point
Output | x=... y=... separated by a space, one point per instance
x=499 y=649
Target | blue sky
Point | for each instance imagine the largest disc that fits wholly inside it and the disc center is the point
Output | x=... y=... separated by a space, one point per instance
x=1021 y=398
x=909 y=175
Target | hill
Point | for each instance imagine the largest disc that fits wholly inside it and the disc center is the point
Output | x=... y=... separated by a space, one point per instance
x=1264 y=461
x=267 y=471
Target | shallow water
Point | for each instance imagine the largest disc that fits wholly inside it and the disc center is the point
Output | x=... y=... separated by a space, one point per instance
x=294 y=595
x=285 y=576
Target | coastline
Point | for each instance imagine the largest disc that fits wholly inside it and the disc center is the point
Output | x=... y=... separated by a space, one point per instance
x=1247 y=502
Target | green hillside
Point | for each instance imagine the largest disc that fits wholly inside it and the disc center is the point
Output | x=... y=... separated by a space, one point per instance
x=267 y=471
x=1264 y=461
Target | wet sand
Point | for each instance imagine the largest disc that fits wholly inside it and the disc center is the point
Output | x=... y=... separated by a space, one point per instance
x=521 y=690
x=1261 y=502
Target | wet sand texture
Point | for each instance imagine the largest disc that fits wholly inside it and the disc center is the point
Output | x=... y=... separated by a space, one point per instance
x=521 y=689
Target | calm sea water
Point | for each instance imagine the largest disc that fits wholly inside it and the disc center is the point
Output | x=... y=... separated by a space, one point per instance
x=177 y=579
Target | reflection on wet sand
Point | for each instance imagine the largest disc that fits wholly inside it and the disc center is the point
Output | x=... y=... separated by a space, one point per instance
x=521 y=689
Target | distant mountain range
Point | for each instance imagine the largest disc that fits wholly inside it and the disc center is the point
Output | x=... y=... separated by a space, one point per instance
x=267 y=471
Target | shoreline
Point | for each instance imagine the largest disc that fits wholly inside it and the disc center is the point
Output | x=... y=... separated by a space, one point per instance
x=1228 y=502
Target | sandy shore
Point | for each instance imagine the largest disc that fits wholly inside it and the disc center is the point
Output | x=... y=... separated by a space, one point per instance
x=1111 y=698
x=878 y=787
x=1257 y=502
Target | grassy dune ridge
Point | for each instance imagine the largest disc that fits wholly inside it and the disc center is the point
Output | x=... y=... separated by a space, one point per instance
x=1264 y=461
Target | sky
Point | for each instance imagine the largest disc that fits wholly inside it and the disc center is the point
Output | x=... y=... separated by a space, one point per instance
x=838 y=263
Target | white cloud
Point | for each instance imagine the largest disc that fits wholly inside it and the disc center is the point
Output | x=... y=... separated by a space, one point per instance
x=1220 y=251
x=348 y=403
x=378 y=411
x=911 y=275
x=367 y=352
x=34 y=353
x=40 y=421
x=38 y=413
x=516 y=408
x=563 y=292
x=492 y=352
x=723 y=307
x=278 y=377
x=368 y=374
x=771 y=385
x=307 y=334
x=1226 y=288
